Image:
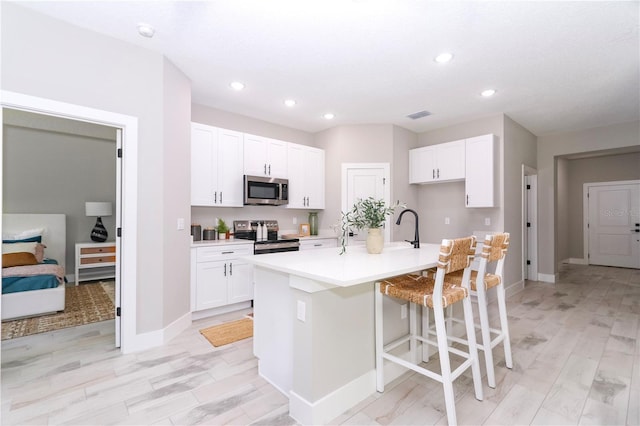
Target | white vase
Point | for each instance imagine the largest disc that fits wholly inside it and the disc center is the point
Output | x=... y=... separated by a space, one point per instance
x=375 y=240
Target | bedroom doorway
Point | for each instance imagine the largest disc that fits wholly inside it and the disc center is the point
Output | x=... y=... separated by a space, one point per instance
x=126 y=199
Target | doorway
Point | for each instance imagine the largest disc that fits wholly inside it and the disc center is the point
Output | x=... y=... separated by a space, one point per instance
x=363 y=180
x=612 y=223
x=125 y=329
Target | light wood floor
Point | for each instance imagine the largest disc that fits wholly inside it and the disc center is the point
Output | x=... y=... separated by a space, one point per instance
x=576 y=351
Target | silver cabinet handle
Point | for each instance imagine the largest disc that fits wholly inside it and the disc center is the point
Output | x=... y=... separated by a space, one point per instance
x=228 y=252
x=438 y=173
x=220 y=197
x=269 y=169
x=433 y=173
x=230 y=268
x=225 y=269
x=467 y=199
x=215 y=197
x=265 y=168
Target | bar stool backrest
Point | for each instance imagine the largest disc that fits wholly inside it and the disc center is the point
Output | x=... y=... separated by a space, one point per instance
x=456 y=254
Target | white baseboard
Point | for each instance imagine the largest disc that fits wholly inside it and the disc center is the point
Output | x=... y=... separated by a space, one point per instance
x=332 y=405
x=152 y=339
x=576 y=261
x=514 y=288
x=196 y=315
x=547 y=278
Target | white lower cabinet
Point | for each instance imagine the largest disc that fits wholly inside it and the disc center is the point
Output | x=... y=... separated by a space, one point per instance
x=317 y=243
x=219 y=277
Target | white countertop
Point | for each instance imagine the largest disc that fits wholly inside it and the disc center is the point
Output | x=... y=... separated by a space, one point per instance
x=221 y=243
x=354 y=267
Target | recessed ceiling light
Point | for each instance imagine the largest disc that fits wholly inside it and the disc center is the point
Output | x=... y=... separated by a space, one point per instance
x=146 y=30
x=236 y=85
x=443 y=57
x=329 y=116
x=290 y=102
x=488 y=93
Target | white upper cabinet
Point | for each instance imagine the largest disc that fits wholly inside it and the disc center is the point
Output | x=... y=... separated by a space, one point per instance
x=306 y=177
x=480 y=181
x=437 y=163
x=265 y=157
x=216 y=166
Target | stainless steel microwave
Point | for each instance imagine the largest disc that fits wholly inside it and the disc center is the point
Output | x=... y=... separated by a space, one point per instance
x=265 y=191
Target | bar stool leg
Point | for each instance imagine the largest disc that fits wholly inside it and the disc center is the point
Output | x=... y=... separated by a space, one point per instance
x=473 y=348
x=504 y=325
x=413 y=330
x=486 y=335
x=445 y=365
x=425 y=332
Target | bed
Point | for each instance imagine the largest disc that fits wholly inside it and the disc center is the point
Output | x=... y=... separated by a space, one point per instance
x=19 y=298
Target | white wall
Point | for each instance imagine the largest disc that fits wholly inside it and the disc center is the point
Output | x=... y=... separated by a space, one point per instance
x=48 y=58
x=594 y=140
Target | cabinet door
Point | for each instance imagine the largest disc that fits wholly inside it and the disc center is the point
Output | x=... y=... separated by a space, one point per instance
x=230 y=168
x=203 y=158
x=422 y=165
x=297 y=190
x=255 y=155
x=450 y=160
x=211 y=285
x=240 y=284
x=314 y=177
x=480 y=174
x=277 y=159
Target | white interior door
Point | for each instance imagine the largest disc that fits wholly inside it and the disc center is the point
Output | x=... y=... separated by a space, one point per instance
x=614 y=224
x=531 y=228
x=118 y=226
x=363 y=180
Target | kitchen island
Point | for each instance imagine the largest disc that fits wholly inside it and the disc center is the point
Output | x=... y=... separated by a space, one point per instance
x=314 y=323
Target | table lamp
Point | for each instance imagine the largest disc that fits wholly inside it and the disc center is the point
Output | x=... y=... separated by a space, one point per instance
x=98 y=209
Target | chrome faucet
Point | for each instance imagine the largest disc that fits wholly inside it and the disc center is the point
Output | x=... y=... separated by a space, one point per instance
x=416 y=237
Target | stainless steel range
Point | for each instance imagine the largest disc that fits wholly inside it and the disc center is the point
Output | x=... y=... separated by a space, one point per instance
x=264 y=233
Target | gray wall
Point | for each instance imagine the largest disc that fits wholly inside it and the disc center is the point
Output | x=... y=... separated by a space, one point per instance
x=562 y=211
x=56 y=165
x=48 y=58
x=441 y=200
x=589 y=170
x=597 y=140
x=520 y=148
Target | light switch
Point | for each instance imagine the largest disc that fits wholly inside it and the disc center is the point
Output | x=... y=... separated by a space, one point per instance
x=403 y=311
x=180 y=224
x=302 y=311
x=295 y=220
x=487 y=221
x=447 y=221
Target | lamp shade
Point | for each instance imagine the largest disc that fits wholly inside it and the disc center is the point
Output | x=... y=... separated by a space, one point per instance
x=100 y=208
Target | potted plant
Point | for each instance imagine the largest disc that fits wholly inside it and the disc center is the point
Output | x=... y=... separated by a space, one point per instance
x=368 y=214
x=223 y=229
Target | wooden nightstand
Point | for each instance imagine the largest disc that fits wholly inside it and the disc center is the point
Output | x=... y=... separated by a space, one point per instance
x=95 y=261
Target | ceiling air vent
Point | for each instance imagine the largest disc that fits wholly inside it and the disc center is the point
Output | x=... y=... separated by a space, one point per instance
x=418 y=114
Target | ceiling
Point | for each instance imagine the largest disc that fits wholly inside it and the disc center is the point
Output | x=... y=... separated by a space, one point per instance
x=556 y=66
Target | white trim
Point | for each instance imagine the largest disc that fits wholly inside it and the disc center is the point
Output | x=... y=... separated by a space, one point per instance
x=332 y=405
x=512 y=289
x=129 y=208
x=547 y=278
x=575 y=261
x=530 y=211
x=585 y=211
x=196 y=315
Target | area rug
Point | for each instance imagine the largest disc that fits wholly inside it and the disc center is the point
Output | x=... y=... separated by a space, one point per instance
x=229 y=332
x=84 y=304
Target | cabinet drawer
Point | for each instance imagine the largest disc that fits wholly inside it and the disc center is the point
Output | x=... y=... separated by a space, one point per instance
x=97 y=259
x=208 y=254
x=97 y=250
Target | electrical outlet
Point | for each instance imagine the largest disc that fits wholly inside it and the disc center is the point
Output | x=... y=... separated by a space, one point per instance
x=403 y=311
x=180 y=224
x=302 y=311
x=295 y=220
x=447 y=221
x=487 y=221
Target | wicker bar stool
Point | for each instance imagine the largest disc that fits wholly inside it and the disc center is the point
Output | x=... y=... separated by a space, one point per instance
x=494 y=249
x=436 y=293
